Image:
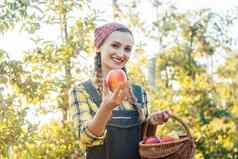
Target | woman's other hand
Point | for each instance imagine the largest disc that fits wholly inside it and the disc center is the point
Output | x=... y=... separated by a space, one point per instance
x=160 y=117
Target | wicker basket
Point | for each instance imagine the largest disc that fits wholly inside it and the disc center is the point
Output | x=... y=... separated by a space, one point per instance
x=182 y=148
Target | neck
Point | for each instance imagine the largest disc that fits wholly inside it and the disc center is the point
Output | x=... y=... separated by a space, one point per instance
x=105 y=70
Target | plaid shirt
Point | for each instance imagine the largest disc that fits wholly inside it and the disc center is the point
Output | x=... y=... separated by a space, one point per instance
x=81 y=110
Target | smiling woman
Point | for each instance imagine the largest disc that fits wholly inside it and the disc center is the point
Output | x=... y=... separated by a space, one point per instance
x=111 y=121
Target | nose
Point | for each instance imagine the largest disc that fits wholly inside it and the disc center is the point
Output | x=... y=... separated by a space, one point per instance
x=120 y=52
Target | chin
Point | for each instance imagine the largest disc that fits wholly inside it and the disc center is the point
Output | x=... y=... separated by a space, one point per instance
x=116 y=66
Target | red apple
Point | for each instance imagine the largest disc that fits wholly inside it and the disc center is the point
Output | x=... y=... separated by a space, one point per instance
x=152 y=140
x=114 y=78
x=167 y=138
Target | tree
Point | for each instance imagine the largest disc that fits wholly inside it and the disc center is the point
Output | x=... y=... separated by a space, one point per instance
x=203 y=94
x=43 y=77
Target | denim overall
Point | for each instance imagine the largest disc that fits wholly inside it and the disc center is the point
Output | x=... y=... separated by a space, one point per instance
x=123 y=131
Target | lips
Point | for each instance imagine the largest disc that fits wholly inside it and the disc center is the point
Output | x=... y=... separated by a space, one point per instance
x=117 y=60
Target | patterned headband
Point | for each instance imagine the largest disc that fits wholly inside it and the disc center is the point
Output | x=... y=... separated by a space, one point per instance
x=102 y=32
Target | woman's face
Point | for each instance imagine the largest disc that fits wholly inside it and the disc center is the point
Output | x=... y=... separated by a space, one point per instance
x=116 y=50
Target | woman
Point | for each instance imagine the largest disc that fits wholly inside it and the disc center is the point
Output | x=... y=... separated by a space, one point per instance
x=111 y=122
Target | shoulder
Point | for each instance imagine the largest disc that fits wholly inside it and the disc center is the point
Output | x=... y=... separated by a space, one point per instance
x=77 y=87
x=79 y=84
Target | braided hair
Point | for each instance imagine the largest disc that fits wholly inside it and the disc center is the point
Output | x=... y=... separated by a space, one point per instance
x=98 y=72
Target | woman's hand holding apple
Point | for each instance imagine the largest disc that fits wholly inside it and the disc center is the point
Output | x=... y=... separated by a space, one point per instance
x=115 y=89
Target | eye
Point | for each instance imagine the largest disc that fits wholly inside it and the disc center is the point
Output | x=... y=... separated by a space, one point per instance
x=115 y=45
x=128 y=49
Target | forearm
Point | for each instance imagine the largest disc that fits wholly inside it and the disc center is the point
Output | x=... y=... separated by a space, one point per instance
x=98 y=124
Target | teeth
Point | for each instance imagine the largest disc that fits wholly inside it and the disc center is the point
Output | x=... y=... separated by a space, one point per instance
x=117 y=59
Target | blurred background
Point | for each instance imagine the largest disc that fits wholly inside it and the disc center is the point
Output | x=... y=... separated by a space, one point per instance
x=186 y=56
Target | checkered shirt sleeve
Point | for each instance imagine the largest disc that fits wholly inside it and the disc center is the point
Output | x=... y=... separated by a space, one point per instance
x=81 y=110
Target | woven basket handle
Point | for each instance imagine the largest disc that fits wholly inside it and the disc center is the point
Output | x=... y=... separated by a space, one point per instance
x=173 y=117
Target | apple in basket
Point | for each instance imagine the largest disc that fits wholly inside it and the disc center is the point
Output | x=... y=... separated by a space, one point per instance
x=167 y=138
x=115 y=77
x=152 y=140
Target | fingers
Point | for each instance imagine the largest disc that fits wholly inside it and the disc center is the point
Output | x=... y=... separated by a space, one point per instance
x=105 y=88
x=165 y=116
x=117 y=91
x=160 y=117
x=124 y=91
x=120 y=93
x=130 y=97
x=130 y=93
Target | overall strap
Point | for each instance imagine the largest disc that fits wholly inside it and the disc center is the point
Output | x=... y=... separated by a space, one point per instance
x=137 y=90
x=93 y=93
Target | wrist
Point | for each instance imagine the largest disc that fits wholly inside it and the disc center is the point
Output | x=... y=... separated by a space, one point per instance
x=106 y=108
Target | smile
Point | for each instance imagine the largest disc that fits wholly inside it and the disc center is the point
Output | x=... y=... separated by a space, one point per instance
x=117 y=60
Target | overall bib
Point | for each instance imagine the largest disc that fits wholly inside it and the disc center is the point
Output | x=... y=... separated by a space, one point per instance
x=123 y=136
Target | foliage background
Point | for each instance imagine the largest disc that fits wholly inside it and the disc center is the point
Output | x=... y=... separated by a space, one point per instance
x=190 y=68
